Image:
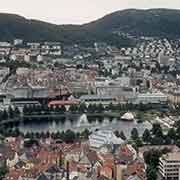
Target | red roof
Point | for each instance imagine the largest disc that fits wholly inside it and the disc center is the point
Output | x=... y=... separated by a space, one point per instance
x=61 y=102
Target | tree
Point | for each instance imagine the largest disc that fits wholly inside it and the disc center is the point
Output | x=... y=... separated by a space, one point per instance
x=69 y=136
x=73 y=108
x=38 y=109
x=111 y=107
x=37 y=135
x=117 y=134
x=3 y=171
x=152 y=157
x=85 y=134
x=29 y=135
x=62 y=109
x=158 y=133
x=47 y=134
x=15 y=132
x=178 y=131
x=172 y=133
x=82 y=108
x=57 y=109
x=4 y=115
x=10 y=112
x=91 y=108
x=122 y=135
x=51 y=109
x=157 y=140
x=134 y=134
x=100 y=108
x=141 y=107
x=130 y=106
x=156 y=128
x=25 y=110
x=151 y=173
x=146 y=136
x=118 y=107
x=45 y=109
x=16 y=111
x=138 y=143
x=42 y=135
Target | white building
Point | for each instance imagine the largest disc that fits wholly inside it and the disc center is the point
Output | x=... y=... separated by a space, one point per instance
x=103 y=137
x=5 y=44
x=18 y=42
x=39 y=58
x=128 y=116
x=169 y=166
x=153 y=98
x=27 y=58
x=98 y=99
x=122 y=81
x=34 y=45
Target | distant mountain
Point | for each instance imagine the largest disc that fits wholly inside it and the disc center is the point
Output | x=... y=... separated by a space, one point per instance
x=152 y=22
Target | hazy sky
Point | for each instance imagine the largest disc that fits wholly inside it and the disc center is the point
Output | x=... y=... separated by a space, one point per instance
x=77 y=11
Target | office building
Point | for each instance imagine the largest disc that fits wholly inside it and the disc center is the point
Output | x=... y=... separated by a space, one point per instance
x=169 y=166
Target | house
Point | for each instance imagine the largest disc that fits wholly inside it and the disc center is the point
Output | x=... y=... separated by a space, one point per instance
x=53 y=172
x=135 y=171
x=125 y=153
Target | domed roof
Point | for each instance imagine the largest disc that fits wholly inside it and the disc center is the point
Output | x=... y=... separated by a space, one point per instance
x=128 y=116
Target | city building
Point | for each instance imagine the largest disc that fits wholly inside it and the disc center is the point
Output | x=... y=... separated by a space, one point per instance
x=67 y=103
x=18 y=42
x=153 y=98
x=125 y=93
x=174 y=97
x=98 y=99
x=104 y=137
x=169 y=166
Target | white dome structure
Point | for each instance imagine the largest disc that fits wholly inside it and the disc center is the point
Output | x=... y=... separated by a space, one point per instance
x=128 y=116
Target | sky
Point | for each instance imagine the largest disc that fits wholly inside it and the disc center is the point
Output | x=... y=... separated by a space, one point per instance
x=77 y=11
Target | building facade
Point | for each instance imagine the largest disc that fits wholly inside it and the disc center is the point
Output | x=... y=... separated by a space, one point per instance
x=169 y=166
x=103 y=137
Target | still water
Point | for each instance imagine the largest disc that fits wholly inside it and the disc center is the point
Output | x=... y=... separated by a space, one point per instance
x=82 y=122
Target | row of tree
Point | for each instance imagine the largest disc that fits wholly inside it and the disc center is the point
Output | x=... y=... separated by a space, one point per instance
x=68 y=136
x=10 y=113
x=82 y=108
x=44 y=109
x=156 y=136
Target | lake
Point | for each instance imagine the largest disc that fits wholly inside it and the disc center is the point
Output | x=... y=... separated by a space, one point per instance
x=82 y=123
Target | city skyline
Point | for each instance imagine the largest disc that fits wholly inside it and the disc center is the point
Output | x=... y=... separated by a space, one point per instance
x=79 y=11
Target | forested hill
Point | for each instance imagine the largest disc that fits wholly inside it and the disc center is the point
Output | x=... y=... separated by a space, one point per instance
x=152 y=22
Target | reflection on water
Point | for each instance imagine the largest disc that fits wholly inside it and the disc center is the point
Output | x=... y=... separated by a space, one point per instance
x=82 y=123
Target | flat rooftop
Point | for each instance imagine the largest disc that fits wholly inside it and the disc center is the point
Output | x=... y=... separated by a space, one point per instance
x=172 y=156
